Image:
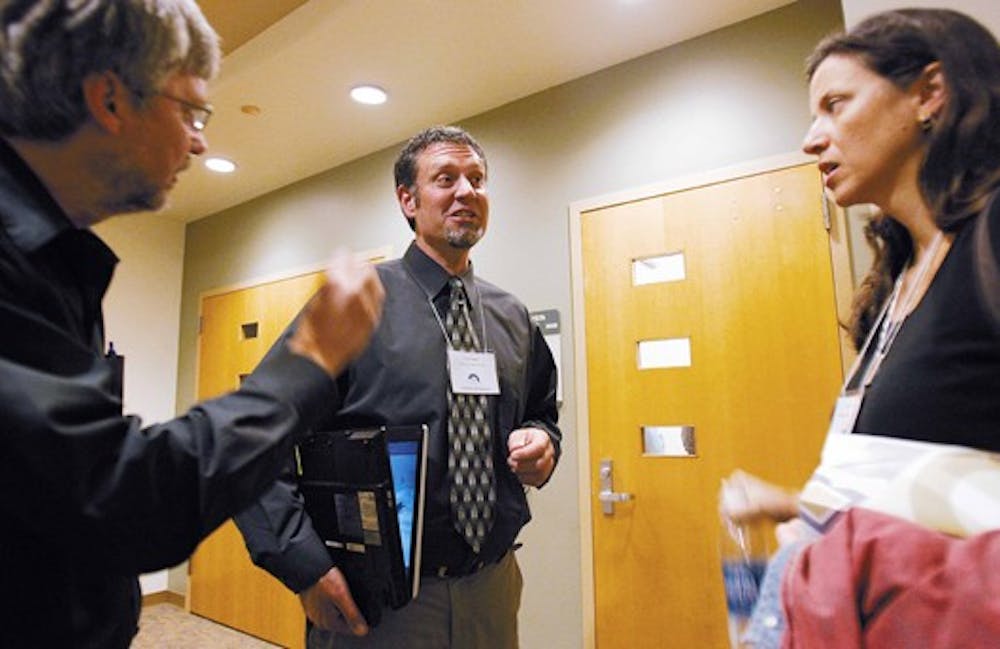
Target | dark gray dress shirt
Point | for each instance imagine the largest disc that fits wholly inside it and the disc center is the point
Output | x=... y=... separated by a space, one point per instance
x=401 y=380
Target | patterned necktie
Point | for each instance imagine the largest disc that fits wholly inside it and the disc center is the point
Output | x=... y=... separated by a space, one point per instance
x=470 y=443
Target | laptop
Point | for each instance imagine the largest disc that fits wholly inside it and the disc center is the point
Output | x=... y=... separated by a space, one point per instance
x=364 y=492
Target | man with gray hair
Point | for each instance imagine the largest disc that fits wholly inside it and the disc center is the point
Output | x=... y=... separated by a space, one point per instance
x=102 y=105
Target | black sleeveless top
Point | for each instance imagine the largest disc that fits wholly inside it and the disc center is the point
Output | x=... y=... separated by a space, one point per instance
x=940 y=381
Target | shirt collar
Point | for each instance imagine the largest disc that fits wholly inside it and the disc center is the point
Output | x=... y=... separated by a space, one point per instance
x=33 y=220
x=28 y=213
x=431 y=277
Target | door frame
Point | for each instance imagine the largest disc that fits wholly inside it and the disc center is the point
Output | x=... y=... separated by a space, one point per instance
x=841 y=256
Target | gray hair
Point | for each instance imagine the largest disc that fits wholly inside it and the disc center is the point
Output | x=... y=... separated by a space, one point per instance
x=50 y=46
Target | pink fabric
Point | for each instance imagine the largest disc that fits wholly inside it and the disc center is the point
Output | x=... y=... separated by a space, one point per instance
x=881 y=582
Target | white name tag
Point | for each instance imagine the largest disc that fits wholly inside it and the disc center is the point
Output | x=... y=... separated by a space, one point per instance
x=473 y=372
x=846 y=413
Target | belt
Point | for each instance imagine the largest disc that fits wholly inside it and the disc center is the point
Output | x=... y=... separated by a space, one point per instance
x=450 y=572
x=462 y=567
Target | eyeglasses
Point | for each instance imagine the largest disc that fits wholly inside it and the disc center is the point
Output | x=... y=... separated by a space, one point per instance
x=195 y=115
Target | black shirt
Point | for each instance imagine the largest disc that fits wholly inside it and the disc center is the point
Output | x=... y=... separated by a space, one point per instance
x=940 y=381
x=88 y=497
x=401 y=380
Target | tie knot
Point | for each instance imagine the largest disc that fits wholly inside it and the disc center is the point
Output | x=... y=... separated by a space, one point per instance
x=457 y=290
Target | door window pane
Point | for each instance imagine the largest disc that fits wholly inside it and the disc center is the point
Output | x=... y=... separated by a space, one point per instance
x=663 y=353
x=655 y=270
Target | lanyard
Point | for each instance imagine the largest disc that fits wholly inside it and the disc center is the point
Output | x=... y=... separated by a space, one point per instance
x=465 y=312
x=468 y=319
x=885 y=329
x=869 y=360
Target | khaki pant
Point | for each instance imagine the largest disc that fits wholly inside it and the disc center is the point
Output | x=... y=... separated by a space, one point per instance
x=474 y=612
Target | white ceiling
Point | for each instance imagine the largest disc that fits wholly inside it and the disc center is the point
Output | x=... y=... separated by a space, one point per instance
x=440 y=60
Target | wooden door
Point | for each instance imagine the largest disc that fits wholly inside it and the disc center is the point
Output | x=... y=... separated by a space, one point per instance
x=757 y=307
x=237 y=329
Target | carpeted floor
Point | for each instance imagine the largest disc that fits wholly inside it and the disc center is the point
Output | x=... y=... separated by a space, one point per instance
x=167 y=626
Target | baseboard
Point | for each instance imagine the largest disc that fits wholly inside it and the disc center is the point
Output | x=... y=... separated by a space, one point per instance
x=163 y=597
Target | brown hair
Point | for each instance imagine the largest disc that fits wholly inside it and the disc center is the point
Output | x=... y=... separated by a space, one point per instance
x=962 y=165
x=405 y=169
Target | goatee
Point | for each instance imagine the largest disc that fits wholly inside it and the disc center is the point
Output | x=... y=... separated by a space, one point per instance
x=464 y=238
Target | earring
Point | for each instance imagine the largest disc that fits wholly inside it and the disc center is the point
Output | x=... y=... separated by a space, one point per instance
x=926 y=123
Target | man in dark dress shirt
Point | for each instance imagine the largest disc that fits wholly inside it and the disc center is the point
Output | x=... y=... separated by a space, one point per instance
x=103 y=104
x=467 y=599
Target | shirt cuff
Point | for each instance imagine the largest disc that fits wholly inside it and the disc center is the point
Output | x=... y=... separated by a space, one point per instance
x=303 y=564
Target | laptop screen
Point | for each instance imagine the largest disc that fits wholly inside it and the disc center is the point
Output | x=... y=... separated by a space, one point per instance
x=403 y=458
x=407 y=461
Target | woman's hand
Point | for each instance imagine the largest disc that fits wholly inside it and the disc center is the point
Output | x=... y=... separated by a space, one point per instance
x=745 y=497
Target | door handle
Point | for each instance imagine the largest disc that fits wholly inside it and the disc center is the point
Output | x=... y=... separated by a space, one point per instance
x=607 y=494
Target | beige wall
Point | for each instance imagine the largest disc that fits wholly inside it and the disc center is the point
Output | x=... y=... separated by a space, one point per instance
x=731 y=96
x=141 y=314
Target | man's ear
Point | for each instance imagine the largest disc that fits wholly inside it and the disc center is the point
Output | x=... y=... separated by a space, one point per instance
x=105 y=96
x=932 y=91
x=407 y=201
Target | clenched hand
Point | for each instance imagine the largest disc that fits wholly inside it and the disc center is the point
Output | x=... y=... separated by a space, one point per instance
x=339 y=319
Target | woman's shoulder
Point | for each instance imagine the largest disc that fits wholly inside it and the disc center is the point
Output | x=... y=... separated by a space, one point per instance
x=986 y=257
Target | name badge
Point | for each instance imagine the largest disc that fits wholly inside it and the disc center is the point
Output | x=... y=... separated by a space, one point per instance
x=846 y=413
x=473 y=372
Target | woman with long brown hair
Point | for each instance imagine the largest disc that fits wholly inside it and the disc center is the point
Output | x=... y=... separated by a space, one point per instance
x=906 y=116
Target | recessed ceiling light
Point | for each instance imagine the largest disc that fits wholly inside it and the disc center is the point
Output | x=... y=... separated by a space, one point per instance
x=371 y=95
x=220 y=165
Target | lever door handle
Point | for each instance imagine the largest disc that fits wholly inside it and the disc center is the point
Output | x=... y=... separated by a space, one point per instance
x=614 y=497
x=607 y=496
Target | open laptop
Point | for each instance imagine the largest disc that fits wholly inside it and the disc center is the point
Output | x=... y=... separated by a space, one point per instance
x=364 y=492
